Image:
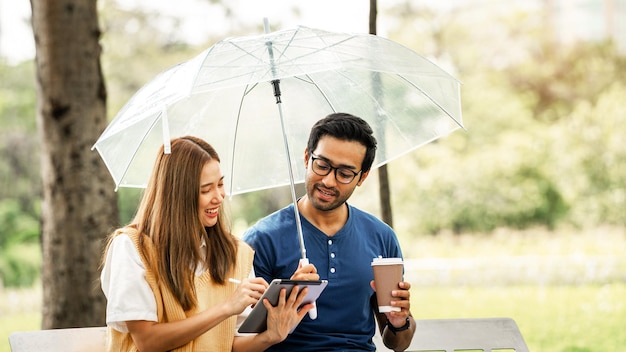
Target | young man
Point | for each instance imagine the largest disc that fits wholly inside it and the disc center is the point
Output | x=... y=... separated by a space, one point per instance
x=340 y=241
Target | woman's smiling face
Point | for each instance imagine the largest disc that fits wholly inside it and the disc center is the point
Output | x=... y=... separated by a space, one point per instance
x=211 y=193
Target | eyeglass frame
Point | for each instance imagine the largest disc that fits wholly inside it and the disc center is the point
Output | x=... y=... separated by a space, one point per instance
x=332 y=168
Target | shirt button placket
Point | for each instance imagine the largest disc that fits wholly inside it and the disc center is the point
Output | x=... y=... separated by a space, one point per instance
x=331 y=258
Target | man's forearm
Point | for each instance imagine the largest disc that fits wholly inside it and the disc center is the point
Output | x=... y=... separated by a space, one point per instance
x=399 y=340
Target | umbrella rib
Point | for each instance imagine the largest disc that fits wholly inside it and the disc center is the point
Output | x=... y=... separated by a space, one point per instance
x=282 y=52
x=234 y=145
x=134 y=153
x=284 y=49
x=319 y=89
x=318 y=50
x=379 y=108
x=246 y=52
x=246 y=92
x=432 y=100
x=293 y=36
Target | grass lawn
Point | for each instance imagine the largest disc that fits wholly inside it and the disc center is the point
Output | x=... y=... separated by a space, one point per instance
x=551 y=318
x=566 y=290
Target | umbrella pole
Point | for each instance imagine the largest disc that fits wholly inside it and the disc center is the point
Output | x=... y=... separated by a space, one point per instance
x=291 y=179
x=276 y=85
x=303 y=260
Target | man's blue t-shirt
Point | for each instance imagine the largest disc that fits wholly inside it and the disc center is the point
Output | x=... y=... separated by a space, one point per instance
x=345 y=320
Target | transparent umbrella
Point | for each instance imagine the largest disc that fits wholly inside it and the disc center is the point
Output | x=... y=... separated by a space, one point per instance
x=255 y=99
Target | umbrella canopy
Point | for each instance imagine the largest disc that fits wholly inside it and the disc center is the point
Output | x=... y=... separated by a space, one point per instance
x=255 y=98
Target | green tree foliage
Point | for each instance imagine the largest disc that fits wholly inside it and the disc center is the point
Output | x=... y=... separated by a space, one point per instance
x=20 y=265
x=565 y=75
x=137 y=45
x=17 y=97
x=16 y=226
x=19 y=235
x=591 y=162
x=19 y=149
x=20 y=183
x=543 y=122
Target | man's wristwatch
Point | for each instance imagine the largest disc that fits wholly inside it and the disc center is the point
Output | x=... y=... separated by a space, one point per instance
x=402 y=328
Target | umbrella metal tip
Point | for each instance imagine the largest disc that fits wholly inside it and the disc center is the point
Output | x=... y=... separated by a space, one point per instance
x=266 y=25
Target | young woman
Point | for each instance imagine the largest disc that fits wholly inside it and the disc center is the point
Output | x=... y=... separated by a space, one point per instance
x=166 y=274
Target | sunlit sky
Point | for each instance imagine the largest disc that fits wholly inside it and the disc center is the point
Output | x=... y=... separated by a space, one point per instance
x=16 y=39
x=203 y=20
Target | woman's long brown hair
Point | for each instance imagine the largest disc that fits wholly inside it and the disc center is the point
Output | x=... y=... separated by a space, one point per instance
x=169 y=215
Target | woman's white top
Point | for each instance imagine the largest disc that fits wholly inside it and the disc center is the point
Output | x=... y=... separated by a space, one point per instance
x=129 y=296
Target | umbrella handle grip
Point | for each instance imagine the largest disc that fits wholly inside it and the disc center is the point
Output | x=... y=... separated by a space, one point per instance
x=313 y=311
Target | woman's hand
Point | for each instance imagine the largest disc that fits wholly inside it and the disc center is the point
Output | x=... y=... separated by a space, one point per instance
x=287 y=314
x=247 y=294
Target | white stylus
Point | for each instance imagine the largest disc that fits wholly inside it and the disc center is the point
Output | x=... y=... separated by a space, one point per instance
x=313 y=311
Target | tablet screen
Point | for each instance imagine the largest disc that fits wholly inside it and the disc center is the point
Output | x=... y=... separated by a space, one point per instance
x=257 y=320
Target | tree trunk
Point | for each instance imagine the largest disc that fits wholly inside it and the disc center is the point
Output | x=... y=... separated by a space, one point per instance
x=383 y=177
x=79 y=203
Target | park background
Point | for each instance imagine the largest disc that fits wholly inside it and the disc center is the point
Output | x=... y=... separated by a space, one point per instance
x=522 y=215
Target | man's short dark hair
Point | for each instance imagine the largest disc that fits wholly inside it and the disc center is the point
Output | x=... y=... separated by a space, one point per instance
x=345 y=127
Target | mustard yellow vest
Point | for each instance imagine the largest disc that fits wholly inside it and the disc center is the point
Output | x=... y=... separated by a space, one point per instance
x=220 y=337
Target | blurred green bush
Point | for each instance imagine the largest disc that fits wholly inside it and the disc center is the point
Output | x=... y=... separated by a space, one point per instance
x=20 y=254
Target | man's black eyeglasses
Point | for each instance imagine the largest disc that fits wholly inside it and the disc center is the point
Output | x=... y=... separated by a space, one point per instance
x=322 y=167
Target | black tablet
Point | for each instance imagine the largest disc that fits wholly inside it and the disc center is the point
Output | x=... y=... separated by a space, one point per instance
x=257 y=320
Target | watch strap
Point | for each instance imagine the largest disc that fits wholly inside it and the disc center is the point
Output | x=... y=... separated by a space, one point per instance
x=393 y=329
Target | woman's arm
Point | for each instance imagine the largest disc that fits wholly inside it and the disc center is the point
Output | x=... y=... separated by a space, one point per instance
x=153 y=336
